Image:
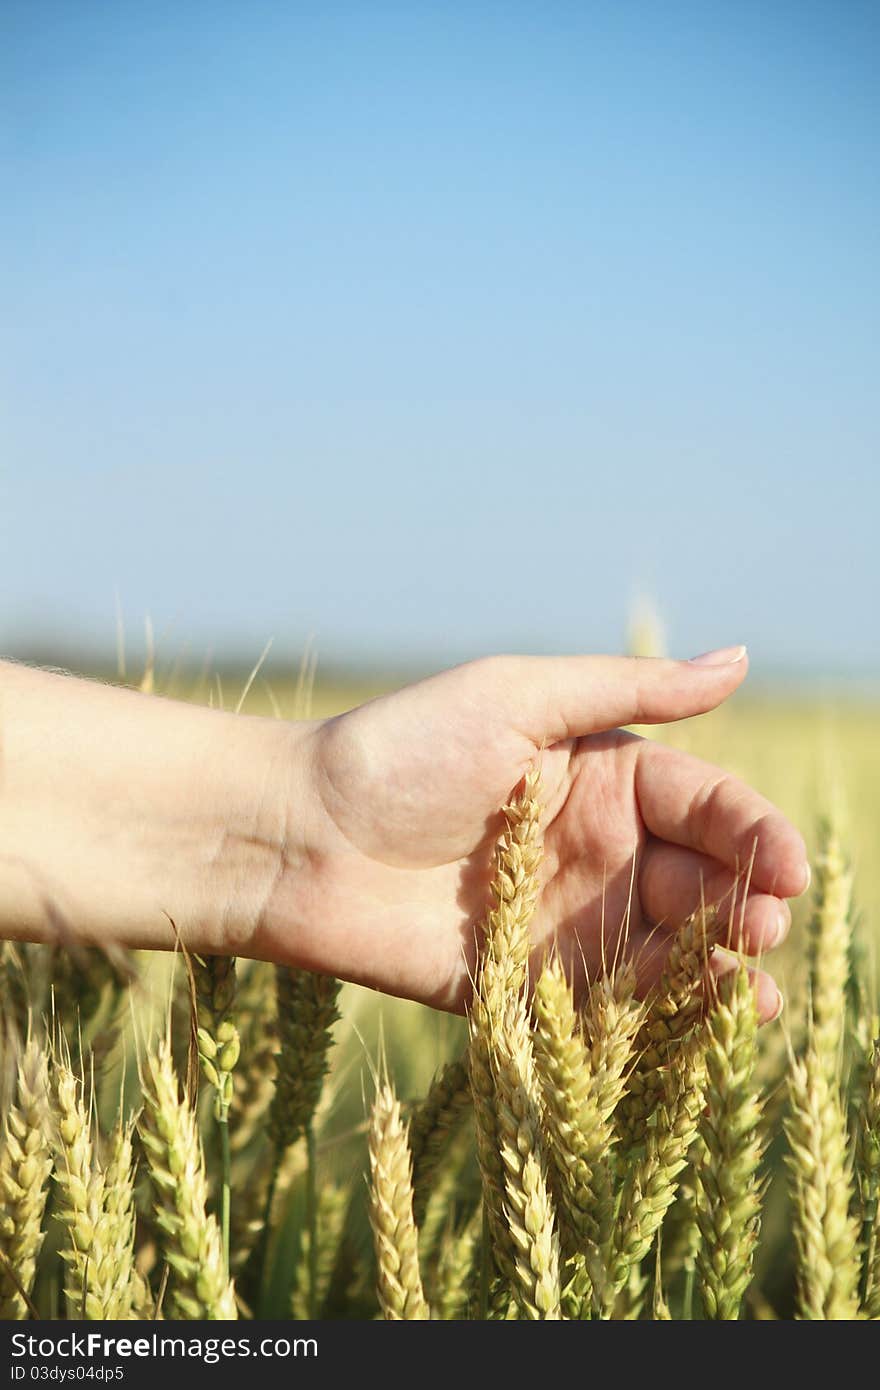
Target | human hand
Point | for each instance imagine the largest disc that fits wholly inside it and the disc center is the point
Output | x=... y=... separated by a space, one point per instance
x=402 y=814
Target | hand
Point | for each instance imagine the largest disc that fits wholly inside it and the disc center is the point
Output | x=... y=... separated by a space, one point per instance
x=404 y=811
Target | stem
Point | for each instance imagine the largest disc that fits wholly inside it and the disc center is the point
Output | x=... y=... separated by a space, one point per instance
x=226 y=1189
x=485 y=1265
x=869 y=1241
x=260 y=1253
x=687 y=1310
x=312 y=1221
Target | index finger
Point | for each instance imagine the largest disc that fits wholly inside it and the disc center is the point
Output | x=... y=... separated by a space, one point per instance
x=691 y=803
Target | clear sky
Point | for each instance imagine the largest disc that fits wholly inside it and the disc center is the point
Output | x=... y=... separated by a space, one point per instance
x=439 y=328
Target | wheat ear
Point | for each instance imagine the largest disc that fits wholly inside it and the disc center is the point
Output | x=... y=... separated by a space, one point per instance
x=307 y=1011
x=130 y=1293
x=218 y=1038
x=528 y=1205
x=502 y=973
x=830 y=942
x=219 y=1050
x=395 y=1236
x=826 y=1236
x=729 y=1213
x=433 y=1126
x=611 y=1020
x=458 y=1258
x=254 y=1076
x=317 y=1266
x=80 y=1199
x=580 y=1135
x=15 y=1009
x=673 y=1010
x=450 y=1196
x=651 y=1181
x=25 y=1164
x=199 y=1286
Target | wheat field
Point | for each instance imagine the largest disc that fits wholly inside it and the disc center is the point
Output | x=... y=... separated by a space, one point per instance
x=190 y=1138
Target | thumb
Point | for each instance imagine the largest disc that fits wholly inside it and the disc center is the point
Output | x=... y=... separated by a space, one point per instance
x=553 y=698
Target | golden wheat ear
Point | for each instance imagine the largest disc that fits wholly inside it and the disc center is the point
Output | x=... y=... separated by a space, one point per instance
x=25 y=1165
x=826 y=1235
x=532 y=1240
x=199 y=1286
x=729 y=1212
x=502 y=975
x=611 y=1019
x=672 y=1012
x=130 y=1293
x=579 y=1132
x=79 y=1195
x=651 y=1181
x=395 y=1235
x=830 y=934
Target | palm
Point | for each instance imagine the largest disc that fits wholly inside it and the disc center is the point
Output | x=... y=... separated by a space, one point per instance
x=411 y=785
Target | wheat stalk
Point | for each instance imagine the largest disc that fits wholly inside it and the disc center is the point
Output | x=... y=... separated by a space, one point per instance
x=868 y=1176
x=249 y=1223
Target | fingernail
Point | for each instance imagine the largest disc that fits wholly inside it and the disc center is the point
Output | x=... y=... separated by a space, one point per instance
x=779 y=930
x=808 y=879
x=780 y=1005
x=725 y=656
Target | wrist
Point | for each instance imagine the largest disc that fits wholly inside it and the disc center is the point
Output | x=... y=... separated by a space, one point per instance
x=119 y=811
x=258 y=836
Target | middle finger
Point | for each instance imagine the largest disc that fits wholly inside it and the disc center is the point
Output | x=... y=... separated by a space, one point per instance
x=674 y=882
x=699 y=807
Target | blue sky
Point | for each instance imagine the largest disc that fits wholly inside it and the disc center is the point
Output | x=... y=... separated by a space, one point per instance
x=435 y=329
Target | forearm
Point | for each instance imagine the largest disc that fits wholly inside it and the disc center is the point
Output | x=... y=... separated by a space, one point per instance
x=120 y=811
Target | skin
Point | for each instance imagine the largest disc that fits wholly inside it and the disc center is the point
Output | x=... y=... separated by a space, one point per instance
x=362 y=845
